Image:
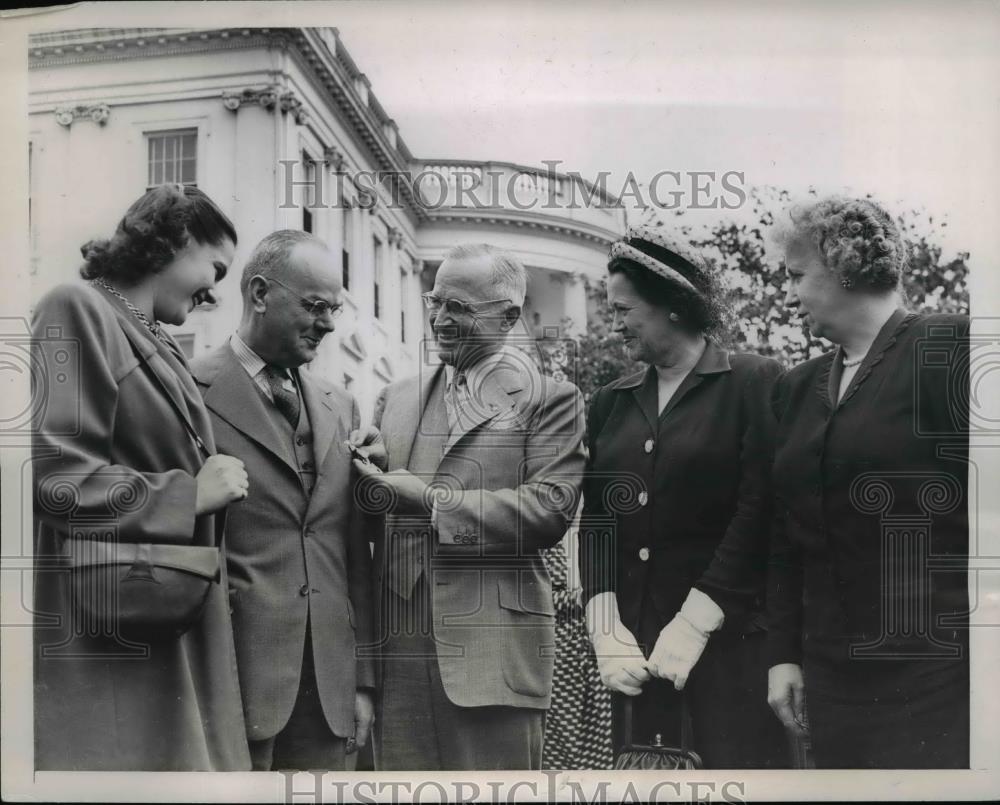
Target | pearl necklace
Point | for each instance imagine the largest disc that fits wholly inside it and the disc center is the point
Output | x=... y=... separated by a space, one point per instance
x=153 y=327
x=851 y=364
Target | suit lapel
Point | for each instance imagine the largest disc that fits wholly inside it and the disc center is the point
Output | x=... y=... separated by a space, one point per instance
x=322 y=418
x=234 y=397
x=491 y=399
x=691 y=381
x=414 y=406
x=645 y=396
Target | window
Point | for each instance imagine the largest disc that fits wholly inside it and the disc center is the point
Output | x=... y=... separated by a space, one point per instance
x=404 y=300
x=172 y=157
x=377 y=251
x=308 y=191
x=345 y=240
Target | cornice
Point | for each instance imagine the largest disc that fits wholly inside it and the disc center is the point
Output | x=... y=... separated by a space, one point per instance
x=104 y=45
x=573 y=229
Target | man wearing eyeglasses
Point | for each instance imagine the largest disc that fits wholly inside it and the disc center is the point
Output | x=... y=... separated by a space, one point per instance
x=298 y=560
x=484 y=458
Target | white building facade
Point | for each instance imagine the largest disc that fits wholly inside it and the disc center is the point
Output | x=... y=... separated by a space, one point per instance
x=281 y=128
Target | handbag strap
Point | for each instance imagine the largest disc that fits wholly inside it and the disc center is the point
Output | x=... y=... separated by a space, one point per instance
x=181 y=415
x=220 y=515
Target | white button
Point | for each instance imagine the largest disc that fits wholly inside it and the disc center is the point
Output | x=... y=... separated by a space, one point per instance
x=648 y=446
x=643 y=498
x=644 y=554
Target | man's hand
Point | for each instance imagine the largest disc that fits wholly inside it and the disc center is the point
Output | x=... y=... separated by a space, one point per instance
x=682 y=641
x=364 y=718
x=619 y=659
x=367 y=443
x=408 y=493
x=786 y=693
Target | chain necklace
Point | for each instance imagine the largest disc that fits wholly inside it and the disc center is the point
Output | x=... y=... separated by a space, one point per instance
x=153 y=327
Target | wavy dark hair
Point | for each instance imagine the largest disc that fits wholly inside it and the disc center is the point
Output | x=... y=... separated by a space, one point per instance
x=704 y=311
x=153 y=230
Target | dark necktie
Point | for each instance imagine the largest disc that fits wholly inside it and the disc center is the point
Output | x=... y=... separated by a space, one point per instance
x=286 y=400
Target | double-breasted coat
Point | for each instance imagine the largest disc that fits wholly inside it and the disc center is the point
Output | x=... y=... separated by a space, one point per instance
x=111 y=454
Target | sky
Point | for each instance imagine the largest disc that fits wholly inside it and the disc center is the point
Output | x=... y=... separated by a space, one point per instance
x=900 y=100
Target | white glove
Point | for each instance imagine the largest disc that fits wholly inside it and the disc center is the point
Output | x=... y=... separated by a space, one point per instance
x=682 y=641
x=619 y=659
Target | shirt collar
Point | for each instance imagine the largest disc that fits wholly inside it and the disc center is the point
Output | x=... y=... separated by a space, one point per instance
x=475 y=375
x=251 y=362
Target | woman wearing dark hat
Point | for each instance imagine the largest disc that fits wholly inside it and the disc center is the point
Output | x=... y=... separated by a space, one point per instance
x=867 y=594
x=676 y=512
x=116 y=459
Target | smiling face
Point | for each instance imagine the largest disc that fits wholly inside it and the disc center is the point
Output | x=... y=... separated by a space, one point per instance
x=285 y=333
x=189 y=279
x=646 y=329
x=465 y=339
x=815 y=292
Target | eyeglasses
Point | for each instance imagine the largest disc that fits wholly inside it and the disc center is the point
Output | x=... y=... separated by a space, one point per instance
x=456 y=307
x=318 y=308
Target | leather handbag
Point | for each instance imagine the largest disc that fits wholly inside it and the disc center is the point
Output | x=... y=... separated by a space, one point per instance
x=139 y=591
x=656 y=756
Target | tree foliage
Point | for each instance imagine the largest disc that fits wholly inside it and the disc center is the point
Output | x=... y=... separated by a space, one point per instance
x=755 y=287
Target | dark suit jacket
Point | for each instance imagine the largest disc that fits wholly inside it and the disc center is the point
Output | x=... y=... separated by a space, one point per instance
x=867 y=492
x=514 y=477
x=110 y=453
x=680 y=499
x=292 y=556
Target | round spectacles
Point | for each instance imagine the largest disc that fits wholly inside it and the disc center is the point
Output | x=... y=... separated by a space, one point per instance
x=318 y=308
x=457 y=307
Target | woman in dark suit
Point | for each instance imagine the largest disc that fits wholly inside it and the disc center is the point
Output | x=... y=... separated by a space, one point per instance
x=673 y=531
x=113 y=456
x=867 y=591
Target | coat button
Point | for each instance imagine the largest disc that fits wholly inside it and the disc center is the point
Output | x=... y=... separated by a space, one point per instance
x=643 y=498
x=644 y=554
x=648 y=446
x=304 y=590
x=307 y=465
x=300 y=440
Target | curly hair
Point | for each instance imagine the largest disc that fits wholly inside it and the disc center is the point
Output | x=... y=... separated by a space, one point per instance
x=153 y=230
x=704 y=310
x=858 y=240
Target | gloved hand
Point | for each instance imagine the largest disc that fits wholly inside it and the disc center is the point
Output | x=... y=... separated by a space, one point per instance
x=682 y=641
x=619 y=659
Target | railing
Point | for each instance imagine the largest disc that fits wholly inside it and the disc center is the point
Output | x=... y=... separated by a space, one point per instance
x=449 y=185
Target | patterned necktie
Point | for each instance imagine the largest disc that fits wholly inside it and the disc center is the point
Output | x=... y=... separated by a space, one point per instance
x=283 y=391
x=454 y=399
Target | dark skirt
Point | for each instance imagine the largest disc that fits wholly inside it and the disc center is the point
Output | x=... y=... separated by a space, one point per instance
x=907 y=715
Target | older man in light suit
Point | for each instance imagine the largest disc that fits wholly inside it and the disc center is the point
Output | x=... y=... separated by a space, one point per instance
x=299 y=564
x=485 y=460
